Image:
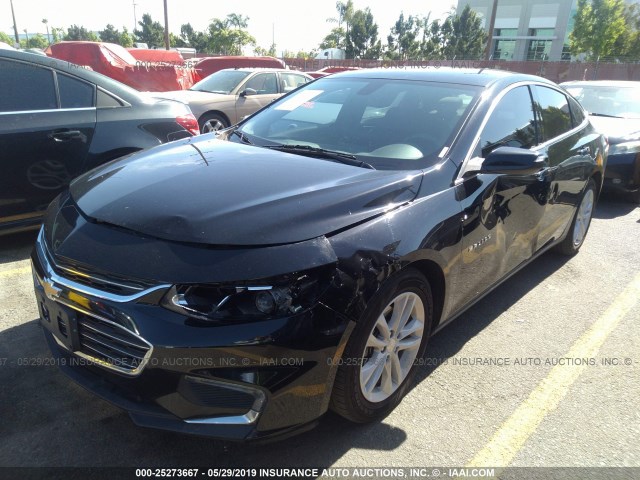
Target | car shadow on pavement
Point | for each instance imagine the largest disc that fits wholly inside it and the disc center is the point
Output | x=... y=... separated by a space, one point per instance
x=452 y=338
x=613 y=205
x=17 y=246
x=48 y=420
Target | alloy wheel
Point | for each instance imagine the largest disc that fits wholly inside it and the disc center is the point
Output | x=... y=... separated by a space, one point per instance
x=583 y=218
x=392 y=347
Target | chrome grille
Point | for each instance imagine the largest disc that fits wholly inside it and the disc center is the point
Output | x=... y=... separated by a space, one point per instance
x=98 y=280
x=111 y=345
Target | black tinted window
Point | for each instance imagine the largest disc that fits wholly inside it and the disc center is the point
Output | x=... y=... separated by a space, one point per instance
x=554 y=113
x=26 y=87
x=74 y=93
x=577 y=114
x=511 y=123
x=105 y=100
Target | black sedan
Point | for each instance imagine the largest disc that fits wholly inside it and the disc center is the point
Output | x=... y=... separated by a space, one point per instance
x=614 y=110
x=58 y=120
x=240 y=286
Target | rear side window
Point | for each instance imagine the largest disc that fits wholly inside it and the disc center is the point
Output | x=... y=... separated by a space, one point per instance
x=511 y=123
x=577 y=113
x=554 y=113
x=291 y=81
x=26 y=87
x=74 y=93
x=106 y=101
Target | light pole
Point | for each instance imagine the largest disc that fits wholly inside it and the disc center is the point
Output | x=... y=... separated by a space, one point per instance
x=25 y=32
x=135 y=19
x=166 y=26
x=492 y=22
x=15 y=28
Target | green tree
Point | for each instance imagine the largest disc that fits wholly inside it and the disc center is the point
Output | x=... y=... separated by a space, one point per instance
x=75 y=32
x=150 y=32
x=110 y=34
x=402 y=42
x=466 y=37
x=197 y=40
x=362 y=40
x=335 y=39
x=228 y=37
x=35 y=41
x=126 y=39
x=6 y=39
x=598 y=24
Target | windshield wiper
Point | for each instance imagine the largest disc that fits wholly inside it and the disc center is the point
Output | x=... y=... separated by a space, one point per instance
x=308 y=150
x=242 y=136
x=603 y=115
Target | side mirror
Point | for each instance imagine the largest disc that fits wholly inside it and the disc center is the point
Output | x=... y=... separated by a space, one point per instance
x=512 y=161
x=248 y=92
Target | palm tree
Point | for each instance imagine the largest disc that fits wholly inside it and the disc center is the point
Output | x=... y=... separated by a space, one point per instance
x=46 y=23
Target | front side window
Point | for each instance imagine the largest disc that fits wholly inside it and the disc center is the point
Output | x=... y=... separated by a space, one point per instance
x=553 y=111
x=263 y=83
x=26 y=87
x=511 y=124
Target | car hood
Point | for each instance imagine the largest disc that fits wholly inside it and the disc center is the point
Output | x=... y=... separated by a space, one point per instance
x=204 y=190
x=616 y=128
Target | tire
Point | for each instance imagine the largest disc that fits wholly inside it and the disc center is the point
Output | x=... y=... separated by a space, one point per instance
x=372 y=379
x=212 y=122
x=581 y=221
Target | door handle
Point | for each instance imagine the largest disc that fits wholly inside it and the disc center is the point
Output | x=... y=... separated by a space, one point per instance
x=65 y=135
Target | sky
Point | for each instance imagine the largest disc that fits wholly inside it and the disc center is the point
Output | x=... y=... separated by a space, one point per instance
x=294 y=24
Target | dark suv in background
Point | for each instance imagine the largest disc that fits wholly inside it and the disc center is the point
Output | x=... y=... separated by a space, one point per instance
x=58 y=120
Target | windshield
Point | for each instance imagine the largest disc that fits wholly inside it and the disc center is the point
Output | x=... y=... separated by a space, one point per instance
x=223 y=81
x=608 y=100
x=389 y=124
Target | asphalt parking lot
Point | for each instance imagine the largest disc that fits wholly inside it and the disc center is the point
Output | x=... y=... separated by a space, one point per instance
x=543 y=372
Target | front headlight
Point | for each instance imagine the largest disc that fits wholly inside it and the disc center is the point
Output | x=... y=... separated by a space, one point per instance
x=271 y=298
x=625 y=147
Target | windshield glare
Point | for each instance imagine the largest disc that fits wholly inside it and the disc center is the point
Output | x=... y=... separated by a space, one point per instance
x=608 y=100
x=391 y=124
x=223 y=81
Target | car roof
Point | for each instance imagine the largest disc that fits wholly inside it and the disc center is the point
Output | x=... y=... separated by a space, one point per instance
x=260 y=69
x=601 y=83
x=125 y=92
x=483 y=77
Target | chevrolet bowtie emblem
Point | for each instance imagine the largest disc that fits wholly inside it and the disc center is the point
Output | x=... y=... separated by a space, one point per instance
x=51 y=291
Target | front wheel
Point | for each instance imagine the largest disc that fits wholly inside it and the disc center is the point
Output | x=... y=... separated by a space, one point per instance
x=379 y=359
x=212 y=122
x=581 y=221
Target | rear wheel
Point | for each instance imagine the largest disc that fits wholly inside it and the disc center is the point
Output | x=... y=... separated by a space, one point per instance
x=581 y=221
x=212 y=122
x=379 y=360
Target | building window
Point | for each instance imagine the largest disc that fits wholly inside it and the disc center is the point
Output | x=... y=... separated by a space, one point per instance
x=540 y=49
x=505 y=46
